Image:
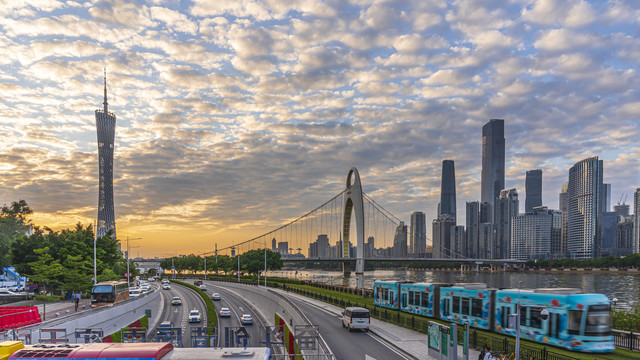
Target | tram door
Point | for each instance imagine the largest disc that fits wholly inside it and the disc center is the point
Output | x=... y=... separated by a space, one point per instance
x=506 y=311
x=554 y=326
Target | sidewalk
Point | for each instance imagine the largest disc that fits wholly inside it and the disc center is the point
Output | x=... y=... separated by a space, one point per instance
x=409 y=342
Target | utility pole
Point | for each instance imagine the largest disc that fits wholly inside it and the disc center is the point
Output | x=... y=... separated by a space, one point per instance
x=128 y=272
x=95 y=262
x=205 y=266
x=265 y=264
x=216 y=259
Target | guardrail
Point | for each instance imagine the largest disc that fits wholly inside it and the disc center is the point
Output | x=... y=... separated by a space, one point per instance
x=626 y=339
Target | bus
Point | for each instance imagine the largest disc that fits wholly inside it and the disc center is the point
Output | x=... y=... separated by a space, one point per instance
x=109 y=293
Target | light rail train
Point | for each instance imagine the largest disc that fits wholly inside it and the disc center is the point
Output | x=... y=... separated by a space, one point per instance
x=577 y=321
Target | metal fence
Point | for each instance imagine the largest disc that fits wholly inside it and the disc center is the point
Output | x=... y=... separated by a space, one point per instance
x=626 y=339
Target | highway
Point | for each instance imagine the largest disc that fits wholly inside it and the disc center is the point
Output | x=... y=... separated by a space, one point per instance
x=178 y=313
x=343 y=344
x=233 y=300
x=357 y=344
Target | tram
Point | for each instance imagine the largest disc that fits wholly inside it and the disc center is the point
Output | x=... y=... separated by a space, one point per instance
x=577 y=321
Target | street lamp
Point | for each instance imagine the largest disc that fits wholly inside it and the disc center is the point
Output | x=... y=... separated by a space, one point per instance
x=614 y=301
x=544 y=314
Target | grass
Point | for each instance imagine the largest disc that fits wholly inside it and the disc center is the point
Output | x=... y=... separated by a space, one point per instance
x=212 y=319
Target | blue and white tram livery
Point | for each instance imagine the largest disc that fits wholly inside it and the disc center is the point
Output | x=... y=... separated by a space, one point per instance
x=468 y=303
x=578 y=322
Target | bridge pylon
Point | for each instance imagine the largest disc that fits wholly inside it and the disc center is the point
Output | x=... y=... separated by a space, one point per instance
x=353 y=202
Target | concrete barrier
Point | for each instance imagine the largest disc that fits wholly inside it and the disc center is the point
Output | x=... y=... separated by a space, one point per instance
x=110 y=319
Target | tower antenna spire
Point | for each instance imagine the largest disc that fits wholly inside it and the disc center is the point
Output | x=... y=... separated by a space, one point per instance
x=106 y=104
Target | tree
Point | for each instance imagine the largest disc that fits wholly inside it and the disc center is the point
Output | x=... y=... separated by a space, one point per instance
x=46 y=270
x=77 y=274
x=253 y=261
x=152 y=272
x=13 y=224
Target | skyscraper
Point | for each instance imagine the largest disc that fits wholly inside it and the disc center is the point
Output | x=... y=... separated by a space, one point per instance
x=636 y=221
x=585 y=184
x=533 y=233
x=448 y=189
x=418 y=237
x=564 y=234
x=621 y=210
x=442 y=237
x=479 y=233
x=400 y=241
x=606 y=198
x=106 y=126
x=458 y=241
x=533 y=190
x=507 y=206
x=473 y=224
x=493 y=144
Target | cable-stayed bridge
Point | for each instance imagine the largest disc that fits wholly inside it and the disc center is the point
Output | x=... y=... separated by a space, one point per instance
x=350 y=227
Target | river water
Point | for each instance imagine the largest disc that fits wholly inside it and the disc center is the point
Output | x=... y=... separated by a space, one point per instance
x=623 y=286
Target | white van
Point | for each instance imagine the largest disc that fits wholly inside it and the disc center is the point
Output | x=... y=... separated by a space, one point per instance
x=355 y=318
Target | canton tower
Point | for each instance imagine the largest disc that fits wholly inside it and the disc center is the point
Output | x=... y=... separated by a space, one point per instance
x=106 y=126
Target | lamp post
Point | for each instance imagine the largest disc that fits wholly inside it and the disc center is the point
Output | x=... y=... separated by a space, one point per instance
x=95 y=267
x=265 y=265
x=544 y=315
x=205 y=266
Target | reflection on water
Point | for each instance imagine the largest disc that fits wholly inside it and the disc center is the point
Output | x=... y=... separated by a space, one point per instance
x=625 y=287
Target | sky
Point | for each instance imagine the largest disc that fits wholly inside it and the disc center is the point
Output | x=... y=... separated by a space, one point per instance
x=236 y=116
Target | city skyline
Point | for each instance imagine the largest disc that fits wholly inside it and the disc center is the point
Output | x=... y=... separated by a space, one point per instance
x=233 y=120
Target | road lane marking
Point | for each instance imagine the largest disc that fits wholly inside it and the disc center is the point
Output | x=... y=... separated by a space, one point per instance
x=367 y=357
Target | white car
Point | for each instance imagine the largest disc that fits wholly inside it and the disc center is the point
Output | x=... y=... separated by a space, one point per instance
x=225 y=312
x=246 y=319
x=135 y=292
x=194 y=316
x=166 y=287
x=203 y=287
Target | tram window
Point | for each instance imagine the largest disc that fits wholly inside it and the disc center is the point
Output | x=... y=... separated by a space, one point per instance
x=425 y=299
x=410 y=298
x=523 y=316
x=505 y=316
x=476 y=307
x=445 y=311
x=456 y=304
x=575 y=318
x=416 y=298
x=404 y=300
x=535 y=320
x=465 y=306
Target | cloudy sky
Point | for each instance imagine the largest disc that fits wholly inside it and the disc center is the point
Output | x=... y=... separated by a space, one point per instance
x=234 y=116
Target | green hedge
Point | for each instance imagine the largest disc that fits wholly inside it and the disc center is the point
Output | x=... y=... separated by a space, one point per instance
x=212 y=319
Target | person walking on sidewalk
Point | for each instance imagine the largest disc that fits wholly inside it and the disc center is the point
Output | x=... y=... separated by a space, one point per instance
x=76 y=300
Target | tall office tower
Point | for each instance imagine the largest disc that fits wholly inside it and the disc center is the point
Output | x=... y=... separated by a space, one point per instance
x=448 y=189
x=473 y=223
x=369 y=247
x=507 y=206
x=533 y=190
x=273 y=244
x=486 y=238
x=636 y=221
x=106 y=126
x=441 y=228
x=493 y=143
x=486 y=216
x=585 y=184
x=418 y=238
x=459 y=241
x=533 y=232
x=323 y=246
x=283 y=247
x=624 y=236
x=400 y=241
x=608 y=224
x=606 y=198
x=621 y=210
x=564 y=207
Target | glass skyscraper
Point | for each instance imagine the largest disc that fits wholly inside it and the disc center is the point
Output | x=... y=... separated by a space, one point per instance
x=533 y=190
x=106 y=126
x=585 y=184
x=448 y=189
x=418 y=237
x=493 y=143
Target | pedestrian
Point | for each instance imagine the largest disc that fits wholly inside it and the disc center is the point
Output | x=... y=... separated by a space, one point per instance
x=77 y=300
x=482 y=352
x=488 y=355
